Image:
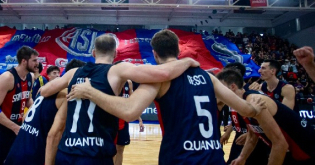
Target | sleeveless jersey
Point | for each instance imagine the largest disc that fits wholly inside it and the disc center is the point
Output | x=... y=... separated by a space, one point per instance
x=187 y=115
x=298 y=132
x=15 y=101
x=39 y=82
x=30 y=144
x=276 y=93
x=90 y=131
x=238 y=123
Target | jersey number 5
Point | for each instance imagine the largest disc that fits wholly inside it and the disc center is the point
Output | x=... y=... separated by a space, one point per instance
x=76 y=114
x=206 y=113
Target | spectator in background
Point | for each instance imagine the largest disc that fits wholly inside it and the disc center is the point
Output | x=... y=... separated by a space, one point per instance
x=39 y=80
x=285 y=68
x=53 y=72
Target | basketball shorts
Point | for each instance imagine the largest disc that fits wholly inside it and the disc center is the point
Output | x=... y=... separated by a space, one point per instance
x=123 y=136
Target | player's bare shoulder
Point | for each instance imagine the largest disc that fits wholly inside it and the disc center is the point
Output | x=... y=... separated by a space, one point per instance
x=7 y=80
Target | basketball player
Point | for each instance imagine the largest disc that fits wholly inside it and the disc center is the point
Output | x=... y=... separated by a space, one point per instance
x=29 y=145
x=273 y=87
x=90 y=132
x=305 y=57
x=123 y=136
x=261 y=151
x=278 y=126
x=186 y=107
x=15 y=87
x=58 y=126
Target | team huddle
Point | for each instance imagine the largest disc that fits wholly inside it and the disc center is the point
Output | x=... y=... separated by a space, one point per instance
x=74 y=119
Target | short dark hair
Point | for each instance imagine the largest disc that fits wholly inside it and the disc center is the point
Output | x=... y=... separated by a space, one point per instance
x=238 y=66
x=25 y=52
x=105 y=44
x=40 y=67
x=52 y=68
x=74 y=63
x=230 y=76
x=165 y=44
x=274 y=65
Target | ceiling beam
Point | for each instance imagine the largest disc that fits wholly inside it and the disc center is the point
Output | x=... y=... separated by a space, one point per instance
x=143 y=5
x=226 y=16
x=173 y=10
x=14 y=12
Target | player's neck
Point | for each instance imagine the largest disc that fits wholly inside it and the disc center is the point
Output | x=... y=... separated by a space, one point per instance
x=240 y=92
x=167 y=60
x=272 y=83
x=104 y=60
x=21 y=71
x=36 y=75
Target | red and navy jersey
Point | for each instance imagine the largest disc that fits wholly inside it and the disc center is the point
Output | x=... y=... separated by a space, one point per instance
x=298 y=132
x=90 y=131
x=188 y=118
x=238 y=123
x=276 y=93
x=30 y=144
x=15 y=101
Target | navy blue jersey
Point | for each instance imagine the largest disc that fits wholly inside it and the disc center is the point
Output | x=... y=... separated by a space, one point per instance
x=39 y=82
x=90 y=131
x=29 y=146
x=188 y=118
x=276 y=93
x=298 y=132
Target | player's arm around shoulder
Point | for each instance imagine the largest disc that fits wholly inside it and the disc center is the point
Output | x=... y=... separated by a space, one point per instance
x=272 y=130
x=152 y=73
x=55 y=133
x=57 y=84
x=288 y=93
x=231 y=99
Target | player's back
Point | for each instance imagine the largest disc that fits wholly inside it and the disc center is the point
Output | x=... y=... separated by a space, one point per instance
x=187 y=114
x=29 y=146
x=298 y=132
x=90 y=131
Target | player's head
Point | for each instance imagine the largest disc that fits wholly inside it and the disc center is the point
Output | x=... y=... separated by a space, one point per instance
x=231 y=79
x=237 y=66
x=105 y=45
x=53 y=72
x=39 y=68
x=27 y=57
x=269 y=69
x=165 y=45
x=74 y=63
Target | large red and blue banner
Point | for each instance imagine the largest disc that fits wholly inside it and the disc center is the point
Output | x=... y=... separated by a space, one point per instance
x=58 y=46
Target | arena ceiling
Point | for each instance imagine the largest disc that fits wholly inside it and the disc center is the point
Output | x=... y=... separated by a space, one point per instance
x=154 y=12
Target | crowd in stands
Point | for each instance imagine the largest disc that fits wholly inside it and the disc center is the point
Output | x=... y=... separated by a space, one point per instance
x=265 y=46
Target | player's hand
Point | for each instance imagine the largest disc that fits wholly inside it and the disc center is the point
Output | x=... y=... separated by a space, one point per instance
x=241 y=139
x=225 y=138
x=304 y=55
x=238 y=161
x=258 y=104
x=255 y=86
x=16 y=129
x=79 y=91
x=141 y=127
x=193 y=63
